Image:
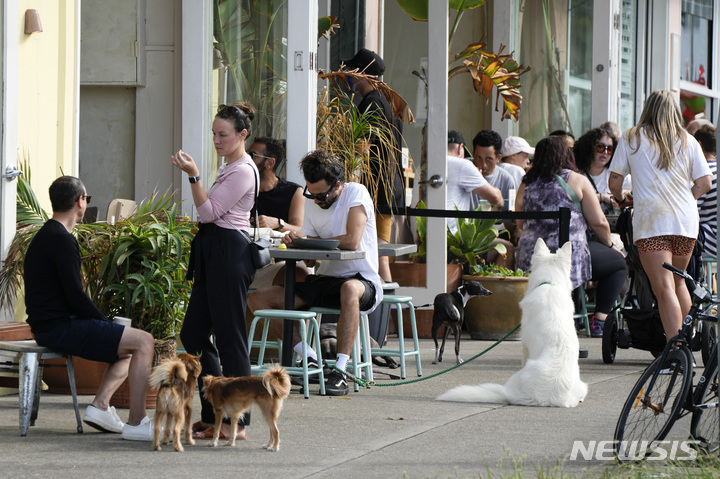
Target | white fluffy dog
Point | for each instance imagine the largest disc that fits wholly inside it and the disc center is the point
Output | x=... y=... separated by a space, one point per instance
x=550 y=375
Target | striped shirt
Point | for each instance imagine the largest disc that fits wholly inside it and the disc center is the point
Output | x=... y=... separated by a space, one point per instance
x=707 y=207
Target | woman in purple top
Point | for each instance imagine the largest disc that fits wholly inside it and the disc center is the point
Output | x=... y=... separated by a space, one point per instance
x=220 y=260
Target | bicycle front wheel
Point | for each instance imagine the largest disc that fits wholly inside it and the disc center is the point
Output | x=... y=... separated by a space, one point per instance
x=704 y=425
x=653 y=405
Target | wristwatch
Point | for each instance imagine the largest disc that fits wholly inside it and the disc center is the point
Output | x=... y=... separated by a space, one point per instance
x=281 y=224
x=194 y=179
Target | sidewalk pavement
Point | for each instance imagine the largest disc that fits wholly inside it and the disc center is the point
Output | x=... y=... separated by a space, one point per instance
x=383 y=432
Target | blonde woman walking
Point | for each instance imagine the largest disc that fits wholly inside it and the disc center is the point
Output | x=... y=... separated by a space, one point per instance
x=669 y=174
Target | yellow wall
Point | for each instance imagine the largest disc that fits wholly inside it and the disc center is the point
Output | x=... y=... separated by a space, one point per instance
x=47 y=89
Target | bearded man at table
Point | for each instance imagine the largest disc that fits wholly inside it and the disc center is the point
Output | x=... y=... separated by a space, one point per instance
x=344 y=211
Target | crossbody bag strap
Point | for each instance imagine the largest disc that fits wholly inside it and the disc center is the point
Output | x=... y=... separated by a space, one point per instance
x=570 y=192
x=257 y=232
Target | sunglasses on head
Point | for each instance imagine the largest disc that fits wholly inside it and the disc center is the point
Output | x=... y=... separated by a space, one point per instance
x=608 y=148
x=320 y=197
x=232 y=110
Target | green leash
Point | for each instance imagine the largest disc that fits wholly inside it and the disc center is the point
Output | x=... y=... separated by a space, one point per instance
x=368 y=384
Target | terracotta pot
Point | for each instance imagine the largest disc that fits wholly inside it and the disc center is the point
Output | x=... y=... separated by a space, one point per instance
x=87 y=375
x=414 y=274
x=492 y=317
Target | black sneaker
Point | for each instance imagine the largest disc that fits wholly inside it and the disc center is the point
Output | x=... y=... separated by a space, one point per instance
x=312 y=379
x=336 y=384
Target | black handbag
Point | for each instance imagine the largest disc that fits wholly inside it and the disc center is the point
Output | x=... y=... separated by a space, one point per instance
x=259 y=247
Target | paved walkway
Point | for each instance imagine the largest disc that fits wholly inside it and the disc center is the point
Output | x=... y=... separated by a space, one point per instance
x=384 y=432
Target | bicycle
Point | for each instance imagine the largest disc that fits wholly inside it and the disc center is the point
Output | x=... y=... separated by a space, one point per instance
x=661 y=395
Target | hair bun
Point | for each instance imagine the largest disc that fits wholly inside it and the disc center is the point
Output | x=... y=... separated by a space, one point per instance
x=247 y=108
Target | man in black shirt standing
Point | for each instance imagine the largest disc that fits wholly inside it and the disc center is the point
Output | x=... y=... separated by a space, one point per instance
x=385 y=162
x=63 y=318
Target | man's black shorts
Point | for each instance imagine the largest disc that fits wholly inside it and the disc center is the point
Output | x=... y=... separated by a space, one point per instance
x=324 y=291
x=92 y=339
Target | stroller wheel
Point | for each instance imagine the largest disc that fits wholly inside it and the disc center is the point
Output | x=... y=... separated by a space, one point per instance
x=609 y=339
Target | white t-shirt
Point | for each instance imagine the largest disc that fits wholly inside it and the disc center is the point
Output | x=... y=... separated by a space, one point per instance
x=503 y=181
x=462 y=179
x=601 y=182
x=514 y=170
x=663 y=202
x=333 y=222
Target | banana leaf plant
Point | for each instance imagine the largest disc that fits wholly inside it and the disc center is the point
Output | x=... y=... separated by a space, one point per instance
x=487 y=69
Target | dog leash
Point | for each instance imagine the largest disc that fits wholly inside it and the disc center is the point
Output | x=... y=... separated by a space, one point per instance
x=368 y=384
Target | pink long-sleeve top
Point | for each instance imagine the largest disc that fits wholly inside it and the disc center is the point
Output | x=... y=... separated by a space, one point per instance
x=232 y=196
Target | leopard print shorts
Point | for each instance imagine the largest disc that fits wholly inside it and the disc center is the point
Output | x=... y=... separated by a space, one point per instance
x=676 y=244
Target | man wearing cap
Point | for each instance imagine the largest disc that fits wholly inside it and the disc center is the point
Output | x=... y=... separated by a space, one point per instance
x=464 y=179
x=515 y=156
x=390 y=191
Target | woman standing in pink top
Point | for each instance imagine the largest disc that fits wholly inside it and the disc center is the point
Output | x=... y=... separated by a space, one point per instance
x=220 y=260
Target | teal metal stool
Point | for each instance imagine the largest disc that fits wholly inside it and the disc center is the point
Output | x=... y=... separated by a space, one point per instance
x=301 y=317
x=361 y=354
x=399 y=302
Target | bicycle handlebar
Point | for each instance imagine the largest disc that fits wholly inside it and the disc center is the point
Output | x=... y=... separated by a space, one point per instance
x=677 y=271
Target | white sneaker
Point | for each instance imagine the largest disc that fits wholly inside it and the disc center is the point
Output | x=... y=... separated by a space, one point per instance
x=107 y=421
x=141 y=432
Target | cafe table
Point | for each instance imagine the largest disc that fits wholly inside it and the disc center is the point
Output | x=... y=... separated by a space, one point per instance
x=292 y=255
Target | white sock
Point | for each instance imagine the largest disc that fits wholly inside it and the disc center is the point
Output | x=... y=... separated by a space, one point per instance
x=341 y=362
x=310 y=351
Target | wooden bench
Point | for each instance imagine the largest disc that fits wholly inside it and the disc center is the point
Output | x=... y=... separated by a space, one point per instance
x=31 y=357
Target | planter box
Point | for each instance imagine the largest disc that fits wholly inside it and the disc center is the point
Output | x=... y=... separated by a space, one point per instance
x=414 y=274
x=492 y=317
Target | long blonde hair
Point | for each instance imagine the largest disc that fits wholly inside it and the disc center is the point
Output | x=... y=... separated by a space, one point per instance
x=661 y=121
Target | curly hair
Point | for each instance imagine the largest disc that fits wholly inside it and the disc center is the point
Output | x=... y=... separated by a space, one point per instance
x=240 y=114
x=585 y=147
x=322 y=165
x=552 y=155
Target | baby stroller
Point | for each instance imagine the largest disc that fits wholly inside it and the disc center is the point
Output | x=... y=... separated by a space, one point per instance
x=636 y=321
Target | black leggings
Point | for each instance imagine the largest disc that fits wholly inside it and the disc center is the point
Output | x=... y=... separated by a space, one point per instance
x=223 y=272
x=609 y=271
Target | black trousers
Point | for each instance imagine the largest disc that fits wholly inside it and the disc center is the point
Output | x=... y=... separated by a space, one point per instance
x=223 y=271
x=610 y=271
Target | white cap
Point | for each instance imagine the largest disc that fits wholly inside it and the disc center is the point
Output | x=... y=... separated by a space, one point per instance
x=515 y=144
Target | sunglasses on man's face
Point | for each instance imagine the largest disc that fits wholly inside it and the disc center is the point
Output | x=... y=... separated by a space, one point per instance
x=253 y=155
x=320 y=197
x=87 y=198
x=601 y=148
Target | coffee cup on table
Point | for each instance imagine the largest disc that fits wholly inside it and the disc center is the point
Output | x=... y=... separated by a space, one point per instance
x=122 y=321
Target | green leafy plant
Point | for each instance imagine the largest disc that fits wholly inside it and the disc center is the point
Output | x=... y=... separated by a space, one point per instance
x=134 y=268
x=496 y=270
x=473 y=238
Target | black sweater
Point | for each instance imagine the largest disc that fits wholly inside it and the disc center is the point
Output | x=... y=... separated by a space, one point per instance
x=53 y=285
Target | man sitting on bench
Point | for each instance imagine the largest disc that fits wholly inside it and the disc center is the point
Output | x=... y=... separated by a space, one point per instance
x=63 y=318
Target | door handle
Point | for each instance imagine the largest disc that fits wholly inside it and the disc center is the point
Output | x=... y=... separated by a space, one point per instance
x=11 y=172
x=436 y=181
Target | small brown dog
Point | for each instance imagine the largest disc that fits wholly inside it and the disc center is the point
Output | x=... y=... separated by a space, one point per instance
x=232 y=397
x=175 y=380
